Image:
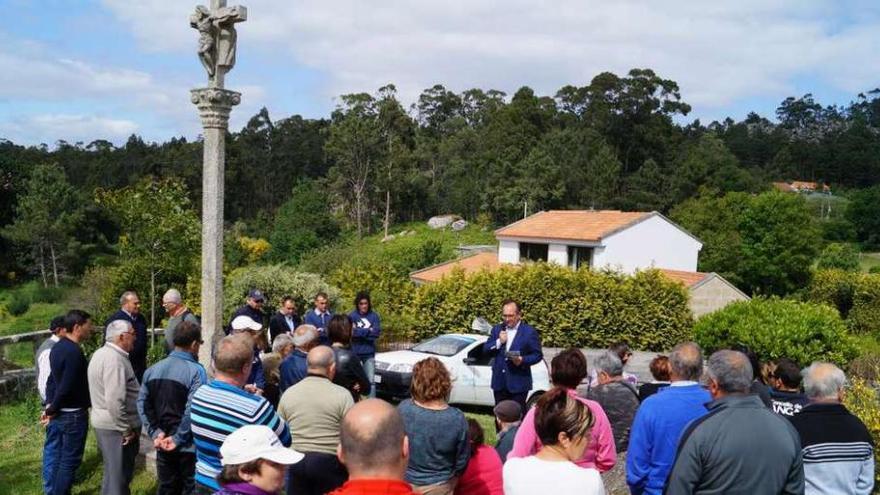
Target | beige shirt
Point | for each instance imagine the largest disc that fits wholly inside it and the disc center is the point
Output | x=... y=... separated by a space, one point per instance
x=314 y=408
x=113 y=389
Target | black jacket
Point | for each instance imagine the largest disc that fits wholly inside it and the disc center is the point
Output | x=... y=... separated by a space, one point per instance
x=254 y=314
x=138 y=355
x=277 y=325
x=350 y=371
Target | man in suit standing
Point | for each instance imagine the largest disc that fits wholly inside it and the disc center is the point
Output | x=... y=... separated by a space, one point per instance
x=285 y=320
x=320 y=317
x=516 y=347
x=130 y=311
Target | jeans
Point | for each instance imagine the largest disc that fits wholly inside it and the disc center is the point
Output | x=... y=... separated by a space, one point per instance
x=369 y=364
x=176 y=472
x=63 y=451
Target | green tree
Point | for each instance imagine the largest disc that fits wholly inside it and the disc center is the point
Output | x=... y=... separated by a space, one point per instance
x=303 y=223
x=159 y=244
x=840 y=256
x=864 y=213
x=47 y=215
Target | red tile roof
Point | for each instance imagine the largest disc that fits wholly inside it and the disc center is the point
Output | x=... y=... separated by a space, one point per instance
x=470 y=264
x=688 y=279
x=574 y=225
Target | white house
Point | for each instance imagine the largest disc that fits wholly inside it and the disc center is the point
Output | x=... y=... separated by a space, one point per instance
x=605 y=239
x=619 y=240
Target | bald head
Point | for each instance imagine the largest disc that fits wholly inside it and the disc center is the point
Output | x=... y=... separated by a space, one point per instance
x=321 y=360
x=372 y=441
x=686 y=362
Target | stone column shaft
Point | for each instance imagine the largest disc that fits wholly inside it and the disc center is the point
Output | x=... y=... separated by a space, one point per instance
x=214 y=106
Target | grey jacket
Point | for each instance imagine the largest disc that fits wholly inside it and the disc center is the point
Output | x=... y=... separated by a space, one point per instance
x=114 y=390
x=739 y=447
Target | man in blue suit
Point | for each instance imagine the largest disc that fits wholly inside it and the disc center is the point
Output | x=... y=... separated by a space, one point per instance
x=516 y=347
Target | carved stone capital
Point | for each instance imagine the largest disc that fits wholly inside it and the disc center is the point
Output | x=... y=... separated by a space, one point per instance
x=214 y=105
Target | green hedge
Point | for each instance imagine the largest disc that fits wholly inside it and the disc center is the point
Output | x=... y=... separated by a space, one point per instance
x=275 y=281
x=776 y=328
x=865 y=314
x=570 y=308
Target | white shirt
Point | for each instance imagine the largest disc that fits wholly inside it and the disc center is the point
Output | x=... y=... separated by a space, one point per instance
x=511 y=334
x=531 y=475
x=683 y=383
x=43 y=369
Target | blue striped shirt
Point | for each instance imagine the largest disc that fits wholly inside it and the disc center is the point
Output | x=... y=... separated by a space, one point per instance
x=219 y=409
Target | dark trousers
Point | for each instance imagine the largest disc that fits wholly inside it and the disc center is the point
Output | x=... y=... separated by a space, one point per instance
x=118 y=460
x=519 y=397
x=63 y=453
x=316 y=474
x=176 y=471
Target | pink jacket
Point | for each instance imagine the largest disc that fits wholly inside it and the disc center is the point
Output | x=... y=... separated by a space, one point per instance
x=600 y=452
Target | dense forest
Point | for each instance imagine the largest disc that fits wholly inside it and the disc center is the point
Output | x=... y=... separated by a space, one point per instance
x=620 y=142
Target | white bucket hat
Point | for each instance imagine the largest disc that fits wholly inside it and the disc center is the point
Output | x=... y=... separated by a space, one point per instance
x=252 y=442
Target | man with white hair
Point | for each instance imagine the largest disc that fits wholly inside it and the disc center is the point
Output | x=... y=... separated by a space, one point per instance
x=739 y=446
x=282 y=346
x=130 y=311
x=114 y=388
x=837 y=447
x=178 y=313
x=295 y=367
x=618 y=397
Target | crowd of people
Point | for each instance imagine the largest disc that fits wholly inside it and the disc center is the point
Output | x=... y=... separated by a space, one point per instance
x=290 y=406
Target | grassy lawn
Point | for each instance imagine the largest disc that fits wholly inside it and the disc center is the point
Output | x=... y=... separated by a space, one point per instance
x=869 y=260
x=21 y=443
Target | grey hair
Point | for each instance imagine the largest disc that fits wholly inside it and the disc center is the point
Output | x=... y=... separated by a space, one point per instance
x=173 y=296
x=686 y=361
x=304 y=335
x=608 y=362
x=125 y=295
x=281 y=341
x=823 y=381
x=115 y=329
x=731 y=370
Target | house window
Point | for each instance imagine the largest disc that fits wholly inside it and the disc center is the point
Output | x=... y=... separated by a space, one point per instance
x=532 y=252
x=579 y=256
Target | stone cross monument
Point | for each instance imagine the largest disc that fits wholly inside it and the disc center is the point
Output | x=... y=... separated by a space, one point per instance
x=217 y=39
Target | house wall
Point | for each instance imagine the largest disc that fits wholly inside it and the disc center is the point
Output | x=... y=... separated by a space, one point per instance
x=558 y=253
x=650 y=243
x=711 y=296
x=508 y=252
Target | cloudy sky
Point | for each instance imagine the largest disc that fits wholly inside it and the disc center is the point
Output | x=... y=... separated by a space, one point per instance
x=80 y=70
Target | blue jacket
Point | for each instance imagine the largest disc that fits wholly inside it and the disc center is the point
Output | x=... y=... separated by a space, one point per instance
x=166 y=396
x=138 y=355
x=655 y=432
x=365 y=332
x=257 y=377
x=293 y=369
x=320 y=322
x=505 y=375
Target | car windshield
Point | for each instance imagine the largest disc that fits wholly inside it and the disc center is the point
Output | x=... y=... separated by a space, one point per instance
x=444 y=345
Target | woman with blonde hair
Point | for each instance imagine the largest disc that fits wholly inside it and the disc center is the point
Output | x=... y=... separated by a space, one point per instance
x=437 y=432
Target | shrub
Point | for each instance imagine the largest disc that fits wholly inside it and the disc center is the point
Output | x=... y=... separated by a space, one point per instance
x=18 y=303
x=838 y=255
x=835 y=288
x=569 y=308
x=865 y=314
x=861 y=400
x=275 y=281
x=774 y=328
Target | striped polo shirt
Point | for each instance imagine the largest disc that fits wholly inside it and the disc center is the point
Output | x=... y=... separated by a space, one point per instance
x=219 y=409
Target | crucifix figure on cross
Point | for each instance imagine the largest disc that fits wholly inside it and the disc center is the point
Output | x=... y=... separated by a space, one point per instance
x=217 y=38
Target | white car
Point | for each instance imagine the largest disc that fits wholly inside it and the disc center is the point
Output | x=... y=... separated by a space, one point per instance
x=463 y=355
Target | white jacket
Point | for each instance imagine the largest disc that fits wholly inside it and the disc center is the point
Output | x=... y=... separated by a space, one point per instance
x=114 y=390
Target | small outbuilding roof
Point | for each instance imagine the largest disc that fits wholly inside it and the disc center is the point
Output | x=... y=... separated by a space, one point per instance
x=470 y=264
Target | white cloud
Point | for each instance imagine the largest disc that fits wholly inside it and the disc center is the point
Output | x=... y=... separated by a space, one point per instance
x=48 y=128
x=719 y=52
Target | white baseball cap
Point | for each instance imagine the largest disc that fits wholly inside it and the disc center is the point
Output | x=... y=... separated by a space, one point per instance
x=245 y=323
x=252 y=442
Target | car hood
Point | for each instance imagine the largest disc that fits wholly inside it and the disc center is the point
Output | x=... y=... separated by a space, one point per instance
x=408 y=357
